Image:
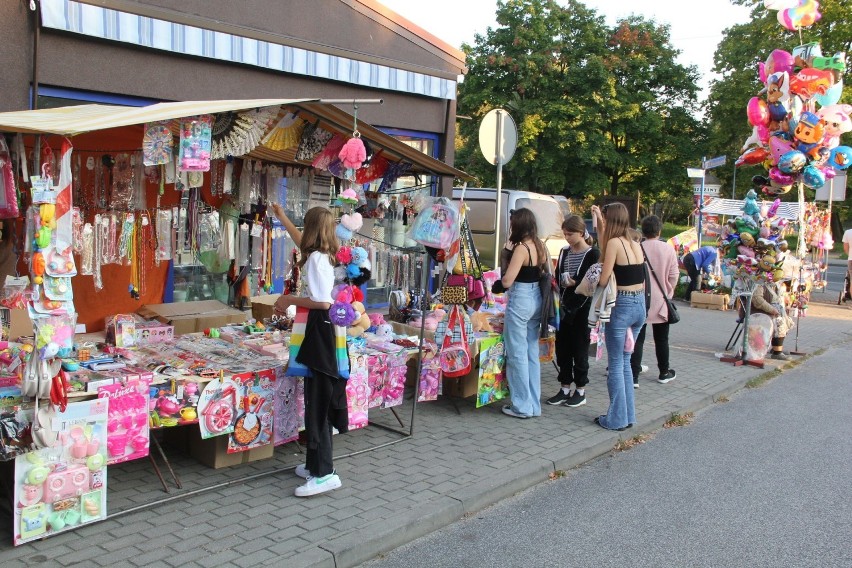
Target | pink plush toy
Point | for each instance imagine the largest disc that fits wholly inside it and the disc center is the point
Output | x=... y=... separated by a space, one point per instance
x=353 y=153
x=376 y=319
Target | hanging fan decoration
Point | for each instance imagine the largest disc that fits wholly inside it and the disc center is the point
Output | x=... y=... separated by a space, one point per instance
x=286 y=134
x=237 y=134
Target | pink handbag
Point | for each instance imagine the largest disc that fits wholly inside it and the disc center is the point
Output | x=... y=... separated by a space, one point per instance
x=475 y=286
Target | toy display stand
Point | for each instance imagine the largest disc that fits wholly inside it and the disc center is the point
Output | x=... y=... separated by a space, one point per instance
x=746 y=291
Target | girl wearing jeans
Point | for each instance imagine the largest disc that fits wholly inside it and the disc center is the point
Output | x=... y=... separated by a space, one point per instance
x=622 y=259
x=522 y=320
x=325 y=381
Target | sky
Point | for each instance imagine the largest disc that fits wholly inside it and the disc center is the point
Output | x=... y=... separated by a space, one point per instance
x=696 y=25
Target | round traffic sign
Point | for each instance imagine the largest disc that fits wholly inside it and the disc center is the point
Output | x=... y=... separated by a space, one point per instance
x=498 y=136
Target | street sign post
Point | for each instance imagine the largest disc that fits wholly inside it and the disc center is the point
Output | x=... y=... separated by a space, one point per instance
x=706 y=165
x=498 y=138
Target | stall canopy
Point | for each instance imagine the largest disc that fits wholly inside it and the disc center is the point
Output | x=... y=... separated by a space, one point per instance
x=73 y=120
x=734 y=208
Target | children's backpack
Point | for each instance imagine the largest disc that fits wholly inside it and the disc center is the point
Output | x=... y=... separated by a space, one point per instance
x=455 y=353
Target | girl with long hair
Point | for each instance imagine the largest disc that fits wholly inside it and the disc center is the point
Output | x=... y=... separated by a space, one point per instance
x=623 y=260
x=325 y=382
x=522 y=319
x=573 y=337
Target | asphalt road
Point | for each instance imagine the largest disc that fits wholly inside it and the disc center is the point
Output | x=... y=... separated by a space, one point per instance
x=762 y=480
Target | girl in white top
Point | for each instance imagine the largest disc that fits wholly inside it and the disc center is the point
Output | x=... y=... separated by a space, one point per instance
x=325 y=389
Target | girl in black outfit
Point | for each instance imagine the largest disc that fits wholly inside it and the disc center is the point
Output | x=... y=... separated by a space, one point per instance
x=572 y=339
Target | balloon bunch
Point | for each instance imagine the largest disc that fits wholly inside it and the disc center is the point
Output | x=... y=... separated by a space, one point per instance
x=753 y=244
x=790 y=137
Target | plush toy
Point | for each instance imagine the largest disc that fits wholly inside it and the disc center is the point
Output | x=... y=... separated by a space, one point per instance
x=385 y=330
x=353 y=222
x=344 y=255
x=361 y=323
x=353 y=153
x=480 y=322
x=348 y=196
x=376 y=319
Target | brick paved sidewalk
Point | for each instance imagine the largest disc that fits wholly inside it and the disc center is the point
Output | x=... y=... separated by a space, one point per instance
x=459 y=461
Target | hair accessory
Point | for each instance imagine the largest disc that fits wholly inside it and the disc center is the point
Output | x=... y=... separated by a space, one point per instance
x=586 y=234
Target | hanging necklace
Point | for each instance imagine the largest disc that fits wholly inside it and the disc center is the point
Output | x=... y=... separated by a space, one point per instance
x=100 y=229
x=125 y=241
x=88 y=251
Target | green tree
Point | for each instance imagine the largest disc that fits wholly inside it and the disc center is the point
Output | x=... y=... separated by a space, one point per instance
x=599 y=109
x=742 y=48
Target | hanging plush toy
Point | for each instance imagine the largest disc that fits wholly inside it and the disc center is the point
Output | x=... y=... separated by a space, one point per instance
x=353 y=152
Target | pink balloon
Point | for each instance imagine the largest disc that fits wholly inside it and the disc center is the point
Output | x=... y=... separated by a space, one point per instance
x=829 y=173
x=779 y=60
x=758 y=112
x=780 y=177
x=778 y=147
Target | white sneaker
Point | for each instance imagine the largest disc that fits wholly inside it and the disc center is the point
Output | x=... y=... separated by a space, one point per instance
x=317 y=485
x=302 y=471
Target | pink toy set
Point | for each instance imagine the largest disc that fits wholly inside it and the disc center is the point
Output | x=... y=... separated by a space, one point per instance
x=127 y=425
x=64 y=485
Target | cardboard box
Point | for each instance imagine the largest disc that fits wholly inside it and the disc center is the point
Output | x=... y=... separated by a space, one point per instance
x=261 y=306
x=710 y=301
x=462 y=387
x=213 y=452
x=192 y=317
x=20 y=324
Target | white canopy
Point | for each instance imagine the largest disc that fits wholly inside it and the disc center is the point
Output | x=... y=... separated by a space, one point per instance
x=734 y=207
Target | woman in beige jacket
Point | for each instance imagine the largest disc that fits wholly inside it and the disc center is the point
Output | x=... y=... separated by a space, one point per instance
x=662 y=259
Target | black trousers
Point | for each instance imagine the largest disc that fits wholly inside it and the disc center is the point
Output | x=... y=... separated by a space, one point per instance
x=661 y=346
x=693 y=272
x=572 y=350
x=322 y=400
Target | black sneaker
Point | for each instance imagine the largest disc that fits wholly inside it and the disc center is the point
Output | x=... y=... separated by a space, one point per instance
x=576 y=400
x=669 y=376
x=558 y=398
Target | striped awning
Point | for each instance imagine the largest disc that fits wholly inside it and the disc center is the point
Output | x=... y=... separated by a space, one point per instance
x=73 y=120
x=734 y=207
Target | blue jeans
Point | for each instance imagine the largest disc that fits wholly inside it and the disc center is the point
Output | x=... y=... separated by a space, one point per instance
x=520 y=335
x=628 y=316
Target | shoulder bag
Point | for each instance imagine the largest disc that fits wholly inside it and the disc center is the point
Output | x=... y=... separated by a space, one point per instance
x=673 y=315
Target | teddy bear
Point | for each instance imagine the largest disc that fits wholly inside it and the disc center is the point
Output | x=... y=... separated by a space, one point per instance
x=360 y=325
x=480 y=322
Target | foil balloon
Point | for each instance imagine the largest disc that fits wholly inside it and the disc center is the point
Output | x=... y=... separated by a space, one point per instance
x=836 y=121
x=809 y=82
x=841 y=158
x=757 y=112
x=780 y=177
x=792 y=162
x=779 y=4
x=752 y=156
x=778 y=147
x=813 y=177
x=802 y=15
x=779 y=60
x=831 y=96
x=759 y=136
x=829 y=173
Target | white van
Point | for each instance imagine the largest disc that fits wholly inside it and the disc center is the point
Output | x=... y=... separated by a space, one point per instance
x=482 y=218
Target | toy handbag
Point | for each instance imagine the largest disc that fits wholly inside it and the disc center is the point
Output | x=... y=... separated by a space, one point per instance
x=437 y=224
x=8 y=193
x=474 y=288
x=455 y=355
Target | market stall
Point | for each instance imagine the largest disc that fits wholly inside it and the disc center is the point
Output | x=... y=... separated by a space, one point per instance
x=108 y=231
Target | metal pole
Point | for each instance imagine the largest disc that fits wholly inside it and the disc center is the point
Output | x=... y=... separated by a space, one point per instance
x=499 y=160
x=701 y=199
x=734 y=185
x=351 y=101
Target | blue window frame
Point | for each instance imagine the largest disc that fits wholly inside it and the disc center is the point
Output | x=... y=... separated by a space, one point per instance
x=62 y=96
